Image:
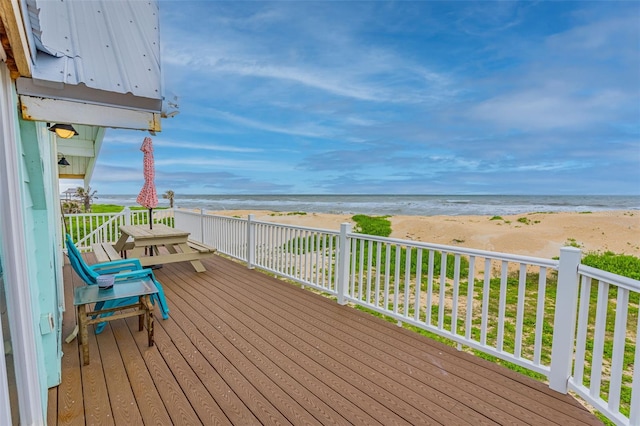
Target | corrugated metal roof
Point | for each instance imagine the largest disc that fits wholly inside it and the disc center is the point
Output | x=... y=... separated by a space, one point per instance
x=107 y=45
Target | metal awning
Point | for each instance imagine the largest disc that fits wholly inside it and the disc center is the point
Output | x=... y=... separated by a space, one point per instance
x=97 y=64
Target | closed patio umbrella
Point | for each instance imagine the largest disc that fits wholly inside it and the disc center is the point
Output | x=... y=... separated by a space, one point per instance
x=148 y=197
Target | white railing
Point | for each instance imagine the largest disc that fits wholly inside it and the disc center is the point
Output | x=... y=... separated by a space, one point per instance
x=496 y=303
x=606 y=348
x=89 y=228
x=473 y=297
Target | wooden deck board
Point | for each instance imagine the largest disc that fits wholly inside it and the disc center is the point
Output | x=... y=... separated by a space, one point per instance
x=362 y=346
x=148 y=399
x=357 y=356
x=253 y=346
x=69 y=396
x=241 y=347
x=266 y=311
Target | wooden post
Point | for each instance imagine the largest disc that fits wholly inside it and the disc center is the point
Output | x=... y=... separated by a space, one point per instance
x=564 y=322
x=343 y=263
x=251 y=242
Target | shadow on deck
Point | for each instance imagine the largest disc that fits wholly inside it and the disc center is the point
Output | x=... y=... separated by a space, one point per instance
x=243 y=348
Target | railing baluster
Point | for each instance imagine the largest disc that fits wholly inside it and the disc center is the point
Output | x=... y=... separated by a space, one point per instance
x=617 y=356
x=456 y=289
x=369 y=270
x=360 y=268
x=443 y=288
x=407 y=281
x=387 y=274
x=583 y=325
x=502 y=304
x=429 y=307
x=522 y=288
x=542 y=289
x=485 y=301
x=416 y=315
x=396 y=279
x=599 y=337
x=470 y=292
x=634 y=415
x=378 y=273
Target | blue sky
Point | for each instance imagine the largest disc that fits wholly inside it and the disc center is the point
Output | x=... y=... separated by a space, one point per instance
x=364 y=97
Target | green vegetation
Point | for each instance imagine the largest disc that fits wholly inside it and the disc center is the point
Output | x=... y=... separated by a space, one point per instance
x=524 y=220
x=289 y=214
x=572 y=242
x=621 y=264
x=78 y=226
x=107 y=208
x=496 y=218
x=372 y=225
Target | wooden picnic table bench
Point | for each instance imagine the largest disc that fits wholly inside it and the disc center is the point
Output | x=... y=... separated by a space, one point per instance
x=138 y=238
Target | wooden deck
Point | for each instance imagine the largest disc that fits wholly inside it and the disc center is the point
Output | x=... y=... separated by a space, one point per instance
x=243 y=348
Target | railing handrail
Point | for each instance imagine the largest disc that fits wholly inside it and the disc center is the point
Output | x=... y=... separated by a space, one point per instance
x=618 y=280
x=537 y=261
x=89 y=236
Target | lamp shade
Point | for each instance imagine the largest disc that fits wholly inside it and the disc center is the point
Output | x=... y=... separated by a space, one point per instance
x=65 y=131
x=63 y=162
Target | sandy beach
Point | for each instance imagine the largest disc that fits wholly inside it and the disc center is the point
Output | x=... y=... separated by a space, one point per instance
x=532 y=234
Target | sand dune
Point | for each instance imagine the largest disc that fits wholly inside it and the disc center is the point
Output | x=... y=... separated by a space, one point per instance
x=533 y=234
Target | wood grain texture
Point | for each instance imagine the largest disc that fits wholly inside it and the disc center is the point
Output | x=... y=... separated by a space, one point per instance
x=241 y=347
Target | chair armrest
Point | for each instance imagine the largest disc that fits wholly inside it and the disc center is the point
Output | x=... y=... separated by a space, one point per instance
x=116 y=265
x=142 y=273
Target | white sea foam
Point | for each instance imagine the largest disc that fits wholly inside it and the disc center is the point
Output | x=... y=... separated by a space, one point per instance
x=421 y=205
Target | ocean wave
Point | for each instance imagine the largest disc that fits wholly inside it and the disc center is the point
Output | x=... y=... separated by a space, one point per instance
x=420 y=205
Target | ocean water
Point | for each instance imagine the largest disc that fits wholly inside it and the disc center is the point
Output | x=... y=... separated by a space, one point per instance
x=418 y=205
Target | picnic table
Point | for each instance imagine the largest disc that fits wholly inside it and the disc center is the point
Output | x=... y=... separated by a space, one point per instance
x=138 y=239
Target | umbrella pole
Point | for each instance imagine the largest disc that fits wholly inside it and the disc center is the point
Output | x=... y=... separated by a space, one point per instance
x=150 y=218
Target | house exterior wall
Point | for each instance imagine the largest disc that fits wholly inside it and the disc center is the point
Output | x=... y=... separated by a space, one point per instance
x=30 y=241
x=20 y=275
x=41 y=244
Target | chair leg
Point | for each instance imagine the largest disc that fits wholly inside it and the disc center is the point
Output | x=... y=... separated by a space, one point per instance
x=162 y=301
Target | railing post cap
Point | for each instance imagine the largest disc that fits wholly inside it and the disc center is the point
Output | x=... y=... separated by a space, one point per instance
x=570 y=249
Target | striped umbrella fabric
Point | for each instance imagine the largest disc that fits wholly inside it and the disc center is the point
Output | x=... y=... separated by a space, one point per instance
x=148 y=197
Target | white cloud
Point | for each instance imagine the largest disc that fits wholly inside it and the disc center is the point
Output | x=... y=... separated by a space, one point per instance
x=224 y=163
x=308 y=129
x=548 y=109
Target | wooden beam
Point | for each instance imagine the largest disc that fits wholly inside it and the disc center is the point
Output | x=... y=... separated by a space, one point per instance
x=15 y=31
x=64 y=111
x=67 y=176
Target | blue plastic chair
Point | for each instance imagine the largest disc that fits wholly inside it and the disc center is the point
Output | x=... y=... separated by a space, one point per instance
x=123 y=270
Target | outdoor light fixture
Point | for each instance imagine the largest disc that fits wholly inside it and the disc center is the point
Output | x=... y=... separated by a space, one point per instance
x=65 y=131
x=63 y=161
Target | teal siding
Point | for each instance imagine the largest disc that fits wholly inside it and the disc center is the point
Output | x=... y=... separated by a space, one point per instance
x=41 y=245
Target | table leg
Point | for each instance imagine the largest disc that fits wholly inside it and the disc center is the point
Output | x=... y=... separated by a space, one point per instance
x=119 y=245
x=136 y=252
x=197 y=265
x=149 y=318
x=83 y=335
x=141 y=318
